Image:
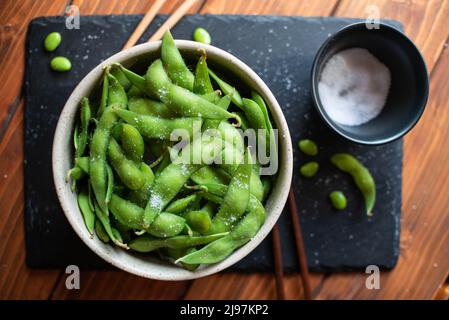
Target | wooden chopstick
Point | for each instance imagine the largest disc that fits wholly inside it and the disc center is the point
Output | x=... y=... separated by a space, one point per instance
x=299 y=245
x=173 y=19
x=278 y=268
x=144 y=23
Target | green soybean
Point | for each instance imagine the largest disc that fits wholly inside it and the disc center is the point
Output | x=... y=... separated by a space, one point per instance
x=308 y=147
x=201 y=35
x=60 y=64
x=338 y=200
x=52 y=41
x=309 y=169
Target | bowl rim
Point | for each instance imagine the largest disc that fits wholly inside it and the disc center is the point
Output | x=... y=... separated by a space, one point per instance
x=317 y=102
x=284 y=174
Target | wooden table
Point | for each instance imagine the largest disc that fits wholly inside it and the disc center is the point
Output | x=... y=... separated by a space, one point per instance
x=424 y=260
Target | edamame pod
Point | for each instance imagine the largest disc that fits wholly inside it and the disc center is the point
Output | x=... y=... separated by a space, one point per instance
x=126 y=169
x=362 y=177
x=148 y=243
x=174 y=63
x=132 y=143
x=88 y=214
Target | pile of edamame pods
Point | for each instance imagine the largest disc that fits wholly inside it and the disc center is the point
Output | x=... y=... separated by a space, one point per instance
x=189 y=212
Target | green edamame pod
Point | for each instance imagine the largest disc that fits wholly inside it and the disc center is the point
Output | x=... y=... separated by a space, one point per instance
x=198 y=220
x=116 y=93
x=117 y=131
x=149 y=107
x=176 y=253
x=152 y=127
x=208 y=174
x=165 y=187
x=147 y=243
x=101 y=233
x=104 y=219
x=227 y=89
x=243 y=232
x=213 y=97
x=83 y=164
x=136 y=80
x=182 y=101
x=235 y=200
x=174 y=63
x=140 y=196
x=180 y=205
x=126 y=169
x=104 y=94
x=88 y=214
x=121 y=77
x=110 y=188
x=83 y=135
x=202 y=84
x=266 y=187
x=164 y=225
x=134 y=92
x=362 y=177
x=132 y=143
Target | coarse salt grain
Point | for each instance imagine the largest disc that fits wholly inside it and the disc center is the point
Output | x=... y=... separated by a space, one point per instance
x=353 y=86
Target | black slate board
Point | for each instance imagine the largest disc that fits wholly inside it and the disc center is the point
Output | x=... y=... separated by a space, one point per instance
x=280 y=50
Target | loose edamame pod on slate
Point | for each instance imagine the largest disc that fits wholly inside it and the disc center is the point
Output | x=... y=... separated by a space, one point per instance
x=227 y=89
x=202 y=35
x=52 y=41
x=308 y=147
x=174 y=63
x=361 y=175
x=182 y=101
x=309 y=169
x=126 y=169
x=147 y=243
x=338 y=200
x=132 y=143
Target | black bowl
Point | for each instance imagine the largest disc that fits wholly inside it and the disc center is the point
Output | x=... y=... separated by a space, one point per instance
x=409 y=88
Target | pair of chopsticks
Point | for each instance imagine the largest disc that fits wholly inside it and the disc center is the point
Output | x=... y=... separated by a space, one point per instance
x=149 y=16
x=277 y=254
x=171 y=21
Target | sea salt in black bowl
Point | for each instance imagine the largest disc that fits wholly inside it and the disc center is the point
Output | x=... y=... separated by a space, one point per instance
x=409 y=89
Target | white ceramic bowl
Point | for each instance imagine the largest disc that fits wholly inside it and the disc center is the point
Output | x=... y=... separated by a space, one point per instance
x=148 y=266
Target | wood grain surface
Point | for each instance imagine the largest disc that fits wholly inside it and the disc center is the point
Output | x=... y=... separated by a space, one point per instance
x=423 y=265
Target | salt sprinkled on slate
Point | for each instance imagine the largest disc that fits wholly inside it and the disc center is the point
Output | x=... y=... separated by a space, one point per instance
x=354 y=86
